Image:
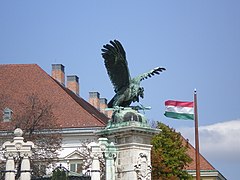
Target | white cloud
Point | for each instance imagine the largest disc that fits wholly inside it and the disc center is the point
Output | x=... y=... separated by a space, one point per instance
x=217 y=141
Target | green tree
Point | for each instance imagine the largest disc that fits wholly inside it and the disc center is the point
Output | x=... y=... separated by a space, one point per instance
x=59 y=175
x=169 y=155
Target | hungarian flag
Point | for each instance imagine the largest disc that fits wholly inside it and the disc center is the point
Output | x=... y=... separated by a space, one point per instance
x=179 y=109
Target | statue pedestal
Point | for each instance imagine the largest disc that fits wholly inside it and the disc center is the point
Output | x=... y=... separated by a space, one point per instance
x=132 y=137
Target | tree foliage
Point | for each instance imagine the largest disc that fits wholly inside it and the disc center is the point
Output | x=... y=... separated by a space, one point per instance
x=169 y=155
x=59 y=174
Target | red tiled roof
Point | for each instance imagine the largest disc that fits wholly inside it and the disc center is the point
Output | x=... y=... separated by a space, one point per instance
x=19 y=80
x=204 y=164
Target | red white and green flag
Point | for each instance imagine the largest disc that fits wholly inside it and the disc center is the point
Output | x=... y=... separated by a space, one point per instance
x=179 y=109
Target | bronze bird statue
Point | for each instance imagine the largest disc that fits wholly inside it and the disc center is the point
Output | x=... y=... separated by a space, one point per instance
x=127 y=89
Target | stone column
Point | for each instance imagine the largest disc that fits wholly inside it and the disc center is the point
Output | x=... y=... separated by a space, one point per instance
x=10 y=167
x=109 y=151
x=25 y=167
x=96 y=152
x=17 y=149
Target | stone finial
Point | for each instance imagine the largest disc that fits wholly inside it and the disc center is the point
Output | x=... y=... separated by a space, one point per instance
x=18 y=132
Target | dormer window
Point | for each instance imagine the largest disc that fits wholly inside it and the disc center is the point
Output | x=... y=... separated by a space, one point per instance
x=7 y=115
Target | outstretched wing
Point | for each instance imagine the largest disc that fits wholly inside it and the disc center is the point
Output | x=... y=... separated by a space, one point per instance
x=116 y=64
x=151 y=73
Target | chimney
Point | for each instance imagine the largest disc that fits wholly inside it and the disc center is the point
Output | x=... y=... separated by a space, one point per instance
x=73 y=84
x=58 y=73
x=94 y=99
x=103 y=104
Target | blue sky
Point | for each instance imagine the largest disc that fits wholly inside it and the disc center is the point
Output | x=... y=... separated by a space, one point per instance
x=198 y=42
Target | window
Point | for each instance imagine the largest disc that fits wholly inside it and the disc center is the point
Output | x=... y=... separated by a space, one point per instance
x=7 y=114
x=72 y=167
x=76 y=167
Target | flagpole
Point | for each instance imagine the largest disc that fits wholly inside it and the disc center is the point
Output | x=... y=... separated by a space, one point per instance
x=197 y=156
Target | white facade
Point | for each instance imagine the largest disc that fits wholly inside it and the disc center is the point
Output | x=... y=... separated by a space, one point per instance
x=73 y=140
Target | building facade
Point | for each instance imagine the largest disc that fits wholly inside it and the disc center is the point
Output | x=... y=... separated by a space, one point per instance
x=76 y=119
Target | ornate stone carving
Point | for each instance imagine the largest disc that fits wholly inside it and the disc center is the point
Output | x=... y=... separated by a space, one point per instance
x=16 y=152
x=142 y=168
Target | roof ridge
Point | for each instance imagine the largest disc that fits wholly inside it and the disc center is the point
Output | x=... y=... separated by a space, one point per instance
x=83 y=103
x=190 y=146
x=19 y=64
x=203 y=157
